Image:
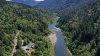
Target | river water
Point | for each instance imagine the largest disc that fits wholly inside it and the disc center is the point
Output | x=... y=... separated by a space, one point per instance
x=60 y=48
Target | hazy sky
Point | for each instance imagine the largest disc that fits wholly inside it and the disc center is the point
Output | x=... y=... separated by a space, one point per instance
x=8 y=0
x=24 y=0
x=39 y=0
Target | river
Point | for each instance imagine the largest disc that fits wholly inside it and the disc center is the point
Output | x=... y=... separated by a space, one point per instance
x=60 y=47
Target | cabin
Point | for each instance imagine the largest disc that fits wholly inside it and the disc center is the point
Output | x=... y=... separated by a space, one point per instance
x=28 y=47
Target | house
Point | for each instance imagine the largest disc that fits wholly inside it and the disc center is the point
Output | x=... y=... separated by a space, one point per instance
x=28 y=47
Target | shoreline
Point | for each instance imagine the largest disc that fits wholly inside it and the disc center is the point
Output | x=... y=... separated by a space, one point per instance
x=69 y=52
x=53 y=38
x=65 y=44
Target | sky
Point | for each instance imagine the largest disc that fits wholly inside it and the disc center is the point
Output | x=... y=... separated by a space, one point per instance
x=39 y=0
x=8 y=0
x=24 y=0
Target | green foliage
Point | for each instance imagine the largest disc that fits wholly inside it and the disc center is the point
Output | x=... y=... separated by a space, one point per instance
x=98 y=51
x=20 y=52
x=81 y=28
x=33 y=27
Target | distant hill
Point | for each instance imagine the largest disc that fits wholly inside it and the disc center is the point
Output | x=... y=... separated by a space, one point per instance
x=27 y=2
x=61 y=5
x=56 y=5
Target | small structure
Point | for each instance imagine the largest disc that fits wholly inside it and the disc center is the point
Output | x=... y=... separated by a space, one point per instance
x=28 y=47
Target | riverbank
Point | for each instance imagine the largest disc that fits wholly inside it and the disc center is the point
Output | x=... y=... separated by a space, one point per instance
x=57 y=39
x=68 y=52
x=53 y=38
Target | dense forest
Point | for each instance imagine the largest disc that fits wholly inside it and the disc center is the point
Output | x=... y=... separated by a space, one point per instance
x=79 y=22
x=59 y=6
x=33 y=27
x=81 y=28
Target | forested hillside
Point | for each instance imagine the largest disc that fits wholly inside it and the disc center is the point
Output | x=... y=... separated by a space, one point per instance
x=81 y=28
x=27 y=2
x=33 y=27
x=59 y=6
x=56 y=6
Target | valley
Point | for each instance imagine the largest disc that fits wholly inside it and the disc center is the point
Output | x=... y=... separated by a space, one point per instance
x=33 y=28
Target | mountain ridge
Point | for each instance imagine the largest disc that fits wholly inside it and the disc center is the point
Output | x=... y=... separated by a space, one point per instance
x=56 y=6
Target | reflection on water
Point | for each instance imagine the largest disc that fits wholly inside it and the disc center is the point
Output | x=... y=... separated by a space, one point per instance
x=60 y=49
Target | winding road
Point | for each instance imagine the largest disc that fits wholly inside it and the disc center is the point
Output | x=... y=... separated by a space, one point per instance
x=15 y=43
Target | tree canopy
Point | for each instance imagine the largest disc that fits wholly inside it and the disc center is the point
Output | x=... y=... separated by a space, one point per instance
x=81 y=27
x=32 y=24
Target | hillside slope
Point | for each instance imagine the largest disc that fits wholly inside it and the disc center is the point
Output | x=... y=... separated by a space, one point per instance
x=27 y=2
x=33 y=27
x=59 y=6
x=81 y=28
